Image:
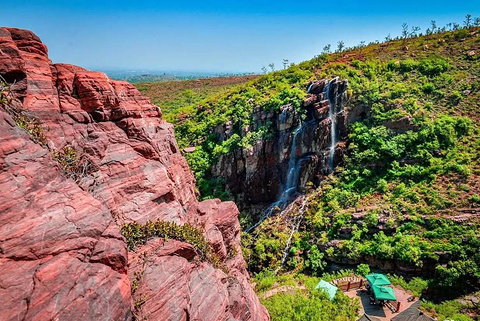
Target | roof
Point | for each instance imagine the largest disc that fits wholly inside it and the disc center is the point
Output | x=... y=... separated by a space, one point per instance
x=367 y=317
x=384 y=293
x=377 y=279
x=412 y=314
x=327 y=287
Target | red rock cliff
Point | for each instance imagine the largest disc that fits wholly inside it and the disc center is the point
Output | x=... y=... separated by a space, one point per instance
x=62 y=256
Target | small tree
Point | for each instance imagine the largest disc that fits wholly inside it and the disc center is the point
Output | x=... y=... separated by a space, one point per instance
x=285 y=63
x=327 y=48
x=468 y=21
x=315 y=260
x=363 y=269
x=340 y=46
x=415 y=29
x=388 y=38
x=264 y=69
x=476 y=22
x=433 y=23
x=272 y=66
x=404 y=30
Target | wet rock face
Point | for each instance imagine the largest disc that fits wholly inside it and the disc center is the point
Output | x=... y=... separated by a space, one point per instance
x=61 y=252
x=258 y=174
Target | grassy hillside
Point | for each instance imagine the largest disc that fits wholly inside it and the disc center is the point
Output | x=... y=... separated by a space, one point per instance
x=414 y=188
x=406 y=197
x=174 y=96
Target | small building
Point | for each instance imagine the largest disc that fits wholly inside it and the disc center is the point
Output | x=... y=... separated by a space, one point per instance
x=413 y=314
x=367 y=317
x=330 y=289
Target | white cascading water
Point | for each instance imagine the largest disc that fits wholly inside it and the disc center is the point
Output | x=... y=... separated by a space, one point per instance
x=292 y=179
x=333 y=127
x=294 y=163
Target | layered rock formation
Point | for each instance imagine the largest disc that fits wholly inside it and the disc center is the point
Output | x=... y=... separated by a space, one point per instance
x=258 y=176
x=61 y=252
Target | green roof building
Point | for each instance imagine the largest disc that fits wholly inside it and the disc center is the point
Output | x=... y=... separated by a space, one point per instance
x=377 y=279
x=327 y=287
x=384 y=293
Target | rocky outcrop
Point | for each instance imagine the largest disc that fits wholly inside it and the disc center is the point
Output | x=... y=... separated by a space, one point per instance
x=256 y=176
x=173 y=285
x=61 y=252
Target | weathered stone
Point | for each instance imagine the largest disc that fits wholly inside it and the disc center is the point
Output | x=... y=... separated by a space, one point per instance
x=61 y=255
x=61 y=252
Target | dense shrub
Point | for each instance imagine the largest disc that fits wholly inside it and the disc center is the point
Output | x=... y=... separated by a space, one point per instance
x=137 y=234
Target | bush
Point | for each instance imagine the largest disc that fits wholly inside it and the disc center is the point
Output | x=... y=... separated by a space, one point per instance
x=137 y=234
x=455 y=98
x=460 y=34
x=363 y=269
x=315 y=260
x=428 y=88
x=433 y=66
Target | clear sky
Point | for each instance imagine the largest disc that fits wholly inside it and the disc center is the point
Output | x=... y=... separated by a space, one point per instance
x=211 y=35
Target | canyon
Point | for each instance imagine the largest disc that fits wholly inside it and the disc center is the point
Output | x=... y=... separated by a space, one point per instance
x=62 y=254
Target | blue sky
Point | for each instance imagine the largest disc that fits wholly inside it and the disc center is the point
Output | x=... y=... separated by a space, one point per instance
x=218 y=36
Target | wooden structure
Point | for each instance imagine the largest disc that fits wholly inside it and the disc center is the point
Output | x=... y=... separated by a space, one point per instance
x=349 y=283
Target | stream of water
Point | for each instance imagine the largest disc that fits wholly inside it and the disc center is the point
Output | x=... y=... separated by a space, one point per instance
x=294 y=162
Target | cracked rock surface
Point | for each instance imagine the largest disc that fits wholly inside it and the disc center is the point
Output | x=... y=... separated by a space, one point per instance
x=62 y=256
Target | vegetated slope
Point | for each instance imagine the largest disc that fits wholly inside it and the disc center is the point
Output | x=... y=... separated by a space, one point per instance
x=407 y=197
x=175 y=95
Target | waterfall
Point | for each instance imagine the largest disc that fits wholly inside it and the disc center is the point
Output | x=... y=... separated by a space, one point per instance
x=293 y=169
x=294 y=162
x=334 y=104
x=295 y=225
x=310 y=87
x=333 y=127
x=292 y=179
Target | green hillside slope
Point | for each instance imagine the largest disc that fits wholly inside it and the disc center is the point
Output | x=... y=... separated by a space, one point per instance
x=407 y=196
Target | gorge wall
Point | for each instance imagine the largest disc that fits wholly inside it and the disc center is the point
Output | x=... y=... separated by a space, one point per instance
x=261 y=175
x=62 y=256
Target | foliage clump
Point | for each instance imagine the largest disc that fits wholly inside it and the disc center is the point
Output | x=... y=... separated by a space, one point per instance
x=137 y=234
x=73 y=165
x=22 y=118
x=303 y=301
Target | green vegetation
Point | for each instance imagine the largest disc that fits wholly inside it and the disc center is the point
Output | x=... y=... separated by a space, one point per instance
x=448 y=310
x=137 y=234
x=302 y=301
x=22 y=118
x=410 y=180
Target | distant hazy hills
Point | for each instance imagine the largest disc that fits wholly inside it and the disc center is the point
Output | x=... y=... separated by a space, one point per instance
x=135 y=76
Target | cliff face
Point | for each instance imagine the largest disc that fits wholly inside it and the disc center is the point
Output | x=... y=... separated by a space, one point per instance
x=61 y=252
x=308 y=149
